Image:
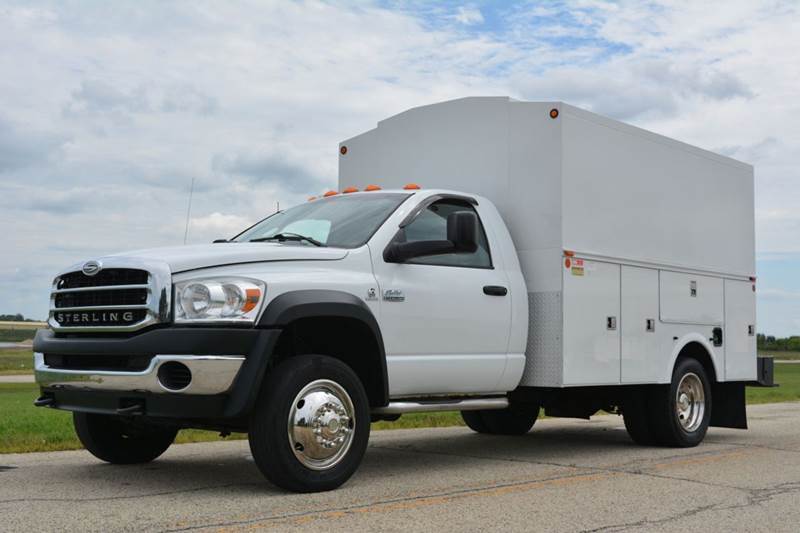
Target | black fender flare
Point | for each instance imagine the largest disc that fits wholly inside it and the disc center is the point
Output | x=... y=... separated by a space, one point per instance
x=312 y=303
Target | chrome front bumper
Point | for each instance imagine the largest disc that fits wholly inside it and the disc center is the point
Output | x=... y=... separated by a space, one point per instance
x=211 y=374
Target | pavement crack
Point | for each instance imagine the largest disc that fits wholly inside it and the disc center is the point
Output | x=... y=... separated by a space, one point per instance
x=754 y=446
x=128 y=497
x=758 y=496
x=433 y=498
x=754 y=497
x=650 y=523
x=614 y=470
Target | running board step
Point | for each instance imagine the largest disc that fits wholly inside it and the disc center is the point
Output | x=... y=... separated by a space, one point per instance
x=428 y=406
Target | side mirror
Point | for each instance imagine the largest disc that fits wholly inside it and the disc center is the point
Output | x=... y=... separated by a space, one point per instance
x=462 y=229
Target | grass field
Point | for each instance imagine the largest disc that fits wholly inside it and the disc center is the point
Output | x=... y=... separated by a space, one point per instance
x=25 y=428
x=16 y=335
x=16 y=361
x=18 y=331
x=783 y=356
x=788 y=377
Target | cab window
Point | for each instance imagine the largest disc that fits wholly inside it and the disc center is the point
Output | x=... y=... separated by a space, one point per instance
x=431 y=225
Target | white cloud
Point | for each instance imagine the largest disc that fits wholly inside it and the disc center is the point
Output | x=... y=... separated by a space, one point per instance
x=217 y=226
x=469 y=15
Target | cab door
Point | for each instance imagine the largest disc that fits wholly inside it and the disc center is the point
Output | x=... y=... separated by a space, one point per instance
x=445 y=319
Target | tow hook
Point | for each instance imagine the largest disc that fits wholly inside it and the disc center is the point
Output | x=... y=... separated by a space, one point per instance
x=135 y=409
x=44 y=401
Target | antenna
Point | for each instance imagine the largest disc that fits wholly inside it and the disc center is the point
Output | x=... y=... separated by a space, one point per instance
x=188 y=212
x=278 y=207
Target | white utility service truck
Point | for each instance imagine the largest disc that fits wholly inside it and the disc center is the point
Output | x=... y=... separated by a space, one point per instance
x=485 y=255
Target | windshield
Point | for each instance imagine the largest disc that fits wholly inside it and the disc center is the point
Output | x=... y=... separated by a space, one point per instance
x=346 y=221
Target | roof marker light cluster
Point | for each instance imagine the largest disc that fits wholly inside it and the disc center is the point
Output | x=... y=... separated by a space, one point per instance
x=368 y=188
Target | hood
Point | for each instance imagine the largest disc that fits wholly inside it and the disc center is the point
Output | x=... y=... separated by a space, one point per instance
x=191 y=257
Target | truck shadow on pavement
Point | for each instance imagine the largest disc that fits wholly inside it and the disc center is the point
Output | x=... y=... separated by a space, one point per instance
x=401 y=455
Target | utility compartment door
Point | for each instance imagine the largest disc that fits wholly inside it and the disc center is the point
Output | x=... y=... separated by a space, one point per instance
x=641 y=360
x=691 y=299
x=740 y=335
x=591 y=323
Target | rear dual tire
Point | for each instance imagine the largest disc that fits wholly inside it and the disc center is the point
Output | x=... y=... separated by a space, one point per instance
x=675 y=415
x=515 y=420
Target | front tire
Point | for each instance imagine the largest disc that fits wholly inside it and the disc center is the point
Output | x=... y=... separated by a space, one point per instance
x=120 y=440
x=310 y=427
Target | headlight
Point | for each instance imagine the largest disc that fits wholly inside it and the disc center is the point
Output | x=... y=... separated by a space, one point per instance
x=218 y=300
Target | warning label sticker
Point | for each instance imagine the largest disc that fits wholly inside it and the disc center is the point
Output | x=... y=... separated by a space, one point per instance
x=575 y=266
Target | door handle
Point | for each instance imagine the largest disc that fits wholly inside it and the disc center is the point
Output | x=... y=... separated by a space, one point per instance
x=495 y=290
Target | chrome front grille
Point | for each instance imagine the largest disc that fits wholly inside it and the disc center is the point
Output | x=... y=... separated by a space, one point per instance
x=118 y=297
x=106 y=277
x=132 y=295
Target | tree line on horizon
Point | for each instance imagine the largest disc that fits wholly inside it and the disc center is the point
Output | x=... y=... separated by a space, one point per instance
x=16 y=318
x=778 y=344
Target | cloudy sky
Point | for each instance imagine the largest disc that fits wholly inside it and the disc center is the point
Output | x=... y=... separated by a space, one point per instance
x=109 y=109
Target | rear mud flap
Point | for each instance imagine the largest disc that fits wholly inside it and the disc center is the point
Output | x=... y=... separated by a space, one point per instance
x=728 y=409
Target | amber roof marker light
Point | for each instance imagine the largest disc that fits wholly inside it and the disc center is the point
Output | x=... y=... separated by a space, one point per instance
x=554 y=113
x=369 y=188
x=411 y=187
x=349 y=190
x=330 y=193
x=343 y=150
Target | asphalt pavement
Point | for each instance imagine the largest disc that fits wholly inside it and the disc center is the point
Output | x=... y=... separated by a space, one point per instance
x=564 y=476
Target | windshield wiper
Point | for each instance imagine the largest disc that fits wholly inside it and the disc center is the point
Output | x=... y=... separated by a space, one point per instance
x=282 y=237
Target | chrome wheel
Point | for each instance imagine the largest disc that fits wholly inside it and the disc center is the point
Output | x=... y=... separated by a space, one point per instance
x=690 y=402
x=321 y=424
